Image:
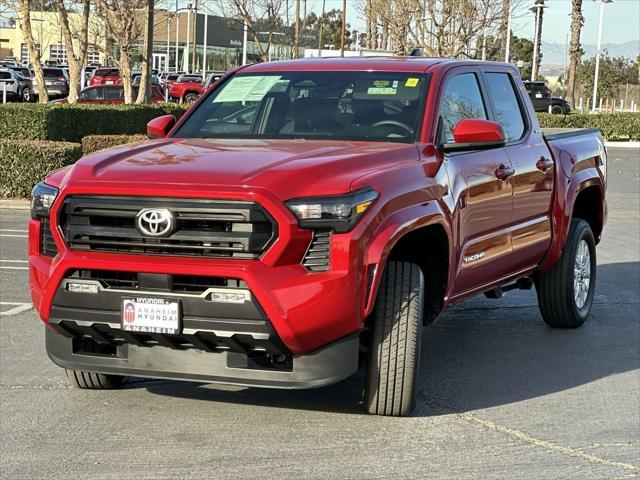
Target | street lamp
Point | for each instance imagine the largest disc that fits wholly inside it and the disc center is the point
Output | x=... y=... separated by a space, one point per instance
x=595 y=78
x=537 y=9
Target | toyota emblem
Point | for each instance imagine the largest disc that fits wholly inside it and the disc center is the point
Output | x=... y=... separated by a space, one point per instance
x=155 y=222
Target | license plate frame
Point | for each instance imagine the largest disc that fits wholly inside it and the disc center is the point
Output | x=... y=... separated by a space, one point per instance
x=151 y=315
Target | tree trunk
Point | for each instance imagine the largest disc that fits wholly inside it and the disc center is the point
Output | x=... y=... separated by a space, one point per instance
x=536 y=67
x=502 y=30
x=577 y=20
x=34 y=56
x=124 y=63
x=75 y=62
x=144 y=91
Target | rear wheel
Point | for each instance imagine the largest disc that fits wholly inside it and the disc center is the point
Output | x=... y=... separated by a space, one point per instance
x=190 y=97
x=394 y=346
x=566 y=291
x=26 y=94
x=557 y=109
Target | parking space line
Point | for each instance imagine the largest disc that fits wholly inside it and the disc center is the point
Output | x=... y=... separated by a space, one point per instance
x=18 y=308
x=13 y=230
x=13 y=235
x=2 y=267
x=13 y=261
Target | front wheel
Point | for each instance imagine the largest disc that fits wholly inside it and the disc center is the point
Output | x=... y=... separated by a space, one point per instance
x=93 y=381
x=566 y=291
x=394 y=346
x=557 y=109
x=26 y=95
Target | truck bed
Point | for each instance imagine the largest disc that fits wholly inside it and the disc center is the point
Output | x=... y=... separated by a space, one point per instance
x=558 y=133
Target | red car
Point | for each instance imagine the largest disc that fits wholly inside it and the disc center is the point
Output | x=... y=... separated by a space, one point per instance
x=308 y=217
x=105 y=76
x=187 y=88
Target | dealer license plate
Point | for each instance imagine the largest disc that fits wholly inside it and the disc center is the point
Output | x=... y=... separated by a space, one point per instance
x=151 y=315
x=109 y=82
x=538 y=95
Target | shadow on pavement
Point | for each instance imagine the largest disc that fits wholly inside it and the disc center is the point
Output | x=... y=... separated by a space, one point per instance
x=480 y=354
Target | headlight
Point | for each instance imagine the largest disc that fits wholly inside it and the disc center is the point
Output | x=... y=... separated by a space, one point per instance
x=339 y=212
x=42 y=197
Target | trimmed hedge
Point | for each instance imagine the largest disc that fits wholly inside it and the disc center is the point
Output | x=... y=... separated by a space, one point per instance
x=23 y=163
x=71 y=123
x=93 y=143
x=614 y=126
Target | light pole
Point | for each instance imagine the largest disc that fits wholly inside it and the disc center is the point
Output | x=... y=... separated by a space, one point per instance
x=244 y=42
x=595 y=78
x=537 y=8
x=186 y=50
x=204 y=47
x=168 y=40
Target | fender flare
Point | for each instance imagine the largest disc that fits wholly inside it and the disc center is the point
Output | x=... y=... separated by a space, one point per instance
x=564 y=202
x=390 y=232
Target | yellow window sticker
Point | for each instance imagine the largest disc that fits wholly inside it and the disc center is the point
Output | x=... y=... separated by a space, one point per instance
x=411 y=82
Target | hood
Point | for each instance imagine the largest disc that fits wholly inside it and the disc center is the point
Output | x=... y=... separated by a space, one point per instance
x=285 y=167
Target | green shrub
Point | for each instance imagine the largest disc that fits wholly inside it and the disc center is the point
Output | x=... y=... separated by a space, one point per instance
x=23 y=163
x=614 y=126
x=70 y=123
x=93 y=143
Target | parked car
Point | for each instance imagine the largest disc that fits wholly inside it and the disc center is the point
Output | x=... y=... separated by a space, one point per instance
x=56 y=83
x=542 y=99
x=170 y=79
x=310 y=216
x=112 y=94
x=187 y=88
x=105 y=76
x=18 y=87
x=213 y=78
x=24 y=71
x=154 y=80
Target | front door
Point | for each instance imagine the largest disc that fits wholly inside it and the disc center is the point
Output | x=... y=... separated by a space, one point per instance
x=160 y=62
x=480 y=188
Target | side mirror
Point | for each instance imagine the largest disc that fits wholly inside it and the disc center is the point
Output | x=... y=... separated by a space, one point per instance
x=161 y=126
x=475 y=134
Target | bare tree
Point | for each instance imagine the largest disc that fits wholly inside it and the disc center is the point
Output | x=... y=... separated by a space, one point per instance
x=122 y=22
x=75 y=57
x=262 y=18
x=34 y=53
x=144 y=92
x=577 y=21
x=539 y=12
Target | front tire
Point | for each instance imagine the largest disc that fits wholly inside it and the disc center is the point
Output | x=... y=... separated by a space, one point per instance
x=566 y=291
x=92 y=380
x=190 y=97
x=26 y=95
x=557 y=109
x=395 y=337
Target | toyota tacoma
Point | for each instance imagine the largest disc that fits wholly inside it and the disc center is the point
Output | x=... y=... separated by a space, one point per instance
x=306 y=218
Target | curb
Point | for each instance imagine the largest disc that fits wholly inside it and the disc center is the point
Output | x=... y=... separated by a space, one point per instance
x=15 y=204
x=622 y=144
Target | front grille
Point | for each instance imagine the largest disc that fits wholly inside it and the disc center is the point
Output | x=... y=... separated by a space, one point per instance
x=108 y=278
x=204 y=228
x=47 y=244
x=318 y=256
x=198 y=284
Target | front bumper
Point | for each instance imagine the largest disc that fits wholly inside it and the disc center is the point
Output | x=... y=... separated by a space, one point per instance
x=322 y=367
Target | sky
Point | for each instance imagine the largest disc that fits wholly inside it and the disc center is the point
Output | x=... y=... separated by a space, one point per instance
x=621 y=19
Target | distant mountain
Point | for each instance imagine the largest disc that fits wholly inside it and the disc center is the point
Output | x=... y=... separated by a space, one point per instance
x=554 y=53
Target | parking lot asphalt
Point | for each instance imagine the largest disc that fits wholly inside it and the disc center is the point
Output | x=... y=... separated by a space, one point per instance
x=501 y=395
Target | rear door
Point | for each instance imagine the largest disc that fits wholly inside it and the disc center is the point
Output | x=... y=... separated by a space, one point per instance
x=531 y=160
x=483 y=201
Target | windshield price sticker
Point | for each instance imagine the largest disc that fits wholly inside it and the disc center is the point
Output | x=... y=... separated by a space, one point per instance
x=383 y=87
x=251 y=88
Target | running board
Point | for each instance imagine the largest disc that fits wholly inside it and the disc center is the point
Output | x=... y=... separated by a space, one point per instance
x=524 y=283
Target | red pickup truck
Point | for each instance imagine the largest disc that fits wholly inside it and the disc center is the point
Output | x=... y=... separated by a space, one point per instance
x=306 y=218
x=187 y=88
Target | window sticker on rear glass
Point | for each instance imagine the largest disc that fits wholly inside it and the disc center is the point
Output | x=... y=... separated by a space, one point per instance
x=411 y=82
x=383 y=87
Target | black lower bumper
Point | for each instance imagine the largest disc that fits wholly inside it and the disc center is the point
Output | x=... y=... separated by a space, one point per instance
x=322 y=367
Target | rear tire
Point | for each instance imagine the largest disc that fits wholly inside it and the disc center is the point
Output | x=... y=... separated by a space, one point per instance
x=557 y=109
x=395 y=337
x=190 y=97
x=566 y=291
x=92 y=380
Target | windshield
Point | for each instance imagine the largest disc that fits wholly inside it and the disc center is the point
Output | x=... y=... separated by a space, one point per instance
x=377 y=106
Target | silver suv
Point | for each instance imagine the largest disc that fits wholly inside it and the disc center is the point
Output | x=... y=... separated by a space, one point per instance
x=18 y=87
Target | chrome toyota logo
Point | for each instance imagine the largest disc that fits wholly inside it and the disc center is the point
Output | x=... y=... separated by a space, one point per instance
x=155 y=222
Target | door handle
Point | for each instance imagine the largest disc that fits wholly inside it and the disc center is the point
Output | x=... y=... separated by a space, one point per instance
x=544 y=164
x=503 y=172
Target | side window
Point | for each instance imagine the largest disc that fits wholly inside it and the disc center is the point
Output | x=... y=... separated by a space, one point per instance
x=92 y=94
x=462 y=99
x=112 y=93
x=506 y=106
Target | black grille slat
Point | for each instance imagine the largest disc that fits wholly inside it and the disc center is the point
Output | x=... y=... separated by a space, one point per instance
x=207 y=228
x=48 y=246
x=318 y=256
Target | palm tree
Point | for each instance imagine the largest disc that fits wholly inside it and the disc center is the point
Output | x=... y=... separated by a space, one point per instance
x=577 y=21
